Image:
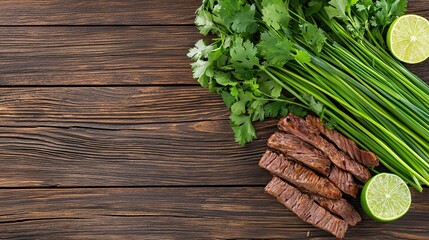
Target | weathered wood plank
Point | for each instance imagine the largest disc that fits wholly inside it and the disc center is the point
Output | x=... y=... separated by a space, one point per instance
x=98 y=12
x=176 y=213
x=111 y=12
x=107 y=107
x=122 y=136
x=96 y=55
x=168 y=154
x=107 y=55
x=419 y=7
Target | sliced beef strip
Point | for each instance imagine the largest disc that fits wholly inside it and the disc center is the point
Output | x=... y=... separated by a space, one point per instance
x=365 y=157
x=298 y=175
x=299 y=127
x=344 y=181
x=306 y=208
x=301 y=151
x=341 y=207
x=311 y=157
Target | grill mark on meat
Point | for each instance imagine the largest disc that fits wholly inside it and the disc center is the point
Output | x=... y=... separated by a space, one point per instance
x=267 y=159
x=344 y=181
x=306 y=208
x=365 y=157
x=299 y=127
x=341 y=179
x=298 y=175
x=300 y=151
x=340 y=207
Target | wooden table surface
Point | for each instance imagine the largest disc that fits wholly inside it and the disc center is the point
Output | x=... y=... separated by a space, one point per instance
x=105 y=135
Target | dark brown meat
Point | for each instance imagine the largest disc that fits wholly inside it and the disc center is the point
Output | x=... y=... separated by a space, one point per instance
x=306 y=154
x=344 y=181
x=306 y=209
x=365 y=157
x=341 y=207
x=298 y=175
x=302 y=152
x=299 y=127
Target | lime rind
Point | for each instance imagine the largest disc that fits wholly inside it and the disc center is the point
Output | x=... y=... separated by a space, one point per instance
x=408 y=38
x=385 y=197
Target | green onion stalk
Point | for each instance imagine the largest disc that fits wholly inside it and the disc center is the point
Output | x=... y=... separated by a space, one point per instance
x=271 y=57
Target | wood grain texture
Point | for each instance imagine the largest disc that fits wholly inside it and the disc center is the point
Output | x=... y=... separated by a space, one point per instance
x=122 y=136
x=96 y=55
x=111 y=12
x=419 y=7
x=98 y=12
x=175 y=213
x=108 y=107
x=167 y=154
x=136 y=162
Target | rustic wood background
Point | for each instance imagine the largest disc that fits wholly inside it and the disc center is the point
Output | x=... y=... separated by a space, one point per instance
x=105 y=135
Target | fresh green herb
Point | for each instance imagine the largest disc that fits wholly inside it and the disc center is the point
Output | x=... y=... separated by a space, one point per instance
x=271 y=57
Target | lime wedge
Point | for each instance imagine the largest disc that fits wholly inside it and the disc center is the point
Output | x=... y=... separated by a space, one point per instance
x=385 y=197
x=408 y=38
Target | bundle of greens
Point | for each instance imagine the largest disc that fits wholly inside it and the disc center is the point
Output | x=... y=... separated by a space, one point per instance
x=271 y=57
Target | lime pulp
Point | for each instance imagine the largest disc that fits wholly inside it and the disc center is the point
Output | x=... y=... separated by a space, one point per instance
x=408 y=38
x=385 y=197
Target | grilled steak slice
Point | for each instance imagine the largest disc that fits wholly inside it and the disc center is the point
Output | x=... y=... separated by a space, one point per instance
x=302 y=152
x=299 y=127
x=341 y=207
x=344 y=181
x=306 y=154
x=298 y=175
x=365 y=157
x=306 y=209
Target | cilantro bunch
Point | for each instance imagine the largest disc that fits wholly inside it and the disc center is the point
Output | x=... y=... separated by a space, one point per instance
x=270 y=57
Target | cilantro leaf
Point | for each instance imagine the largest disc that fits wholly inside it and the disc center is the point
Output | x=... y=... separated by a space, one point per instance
x=234 y=92
x=242 y=127
x=200 y=50
x=387 y=11
x=227 y=98
x=251 y=86
x=203 y=71
x=352 y=3
x=204 y=81
x=398 y=7
x=227 y=9
x=243 y=55
x=271 y=88
x=257 y=109
x=314 y=105
x=204 y=21
x=297 y=110
x=303 y=56
x=244 y=21
x=276 y=50
x=224 y=78
x=360 y=7
x=275 y=13
x=276 y=109
x=239 y=107
x=199 y=68
x=314 y=6
x=314 y=36
x=337 y=9
x=245 y=95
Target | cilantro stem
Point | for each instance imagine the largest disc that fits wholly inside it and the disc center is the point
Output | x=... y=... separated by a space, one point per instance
x=331 y=59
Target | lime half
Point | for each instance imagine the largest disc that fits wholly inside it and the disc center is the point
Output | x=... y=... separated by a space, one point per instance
x=385 y=197
x=408 y=38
